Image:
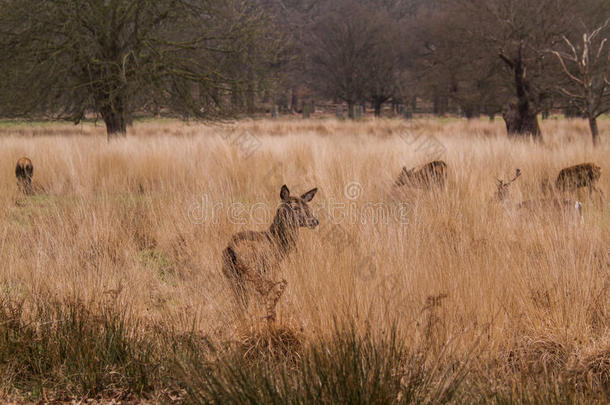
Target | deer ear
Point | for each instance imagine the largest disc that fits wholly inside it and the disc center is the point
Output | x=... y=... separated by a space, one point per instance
x=308 y=196
x=284 y=193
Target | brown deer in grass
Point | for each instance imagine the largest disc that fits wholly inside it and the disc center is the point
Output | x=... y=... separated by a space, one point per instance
x=569 y=208
x=24 y=172
x=578 y=176
x=502 y=188
x=432 y=174
x=252 y=256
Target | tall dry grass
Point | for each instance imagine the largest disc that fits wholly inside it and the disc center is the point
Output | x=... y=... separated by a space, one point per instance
x=141 y=223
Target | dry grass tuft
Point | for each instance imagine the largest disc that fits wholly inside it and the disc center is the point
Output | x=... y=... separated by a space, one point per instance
x=270 y=342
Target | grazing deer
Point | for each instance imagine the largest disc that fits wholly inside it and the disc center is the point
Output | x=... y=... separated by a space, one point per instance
x=427 y=176
x=571 y=208
x=251 y=256
x=538 y=206
x=582 y=175
x=24 y=172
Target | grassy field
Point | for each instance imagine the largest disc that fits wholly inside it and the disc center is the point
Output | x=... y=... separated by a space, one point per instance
x=111 y=285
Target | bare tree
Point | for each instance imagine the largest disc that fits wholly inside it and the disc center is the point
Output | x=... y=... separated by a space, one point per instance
x=465 y=36
x=338 y=45
x=114 y=57
x=353 y=54
x=384 y=62
x=295 y=17
x=586 y=66
x=520 y=30
x=447 y=67
x=521 y=116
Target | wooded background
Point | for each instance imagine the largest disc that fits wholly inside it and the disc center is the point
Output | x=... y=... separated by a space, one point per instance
x=206 y=59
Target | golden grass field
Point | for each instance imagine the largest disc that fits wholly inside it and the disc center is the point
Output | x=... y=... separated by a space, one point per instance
x=141 y=223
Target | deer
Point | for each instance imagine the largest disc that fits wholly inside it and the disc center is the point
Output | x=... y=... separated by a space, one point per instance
x=24 y=171
x=582 y=175
x=572 y=208
x=502 y=188
x=251 y=256
x=432 y=174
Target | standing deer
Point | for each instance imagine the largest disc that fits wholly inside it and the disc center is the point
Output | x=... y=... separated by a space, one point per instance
x=571 y=208
x=24 y=172
x=582 y=175
x=251 y=256
x=427 y=176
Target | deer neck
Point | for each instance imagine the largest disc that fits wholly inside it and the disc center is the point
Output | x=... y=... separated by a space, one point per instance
x=284 y=230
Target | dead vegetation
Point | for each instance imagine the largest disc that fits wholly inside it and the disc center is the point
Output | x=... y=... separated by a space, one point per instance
x=457 y=302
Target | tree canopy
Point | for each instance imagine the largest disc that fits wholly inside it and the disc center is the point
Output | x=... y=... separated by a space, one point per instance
x=67 y=57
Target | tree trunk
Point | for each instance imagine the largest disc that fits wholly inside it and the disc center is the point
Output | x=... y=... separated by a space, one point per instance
x=236 y=98
x=116 y=124
x=571 y=112
x=594 y=130
x=294 y=100
x=377 y=104
x=250 y=100
x=400 y=110
x=266 y=96
x=396 y=107
x=470 y=112
x=350 y=110
x=521 y=121
x=521 y=118
x=440 y=105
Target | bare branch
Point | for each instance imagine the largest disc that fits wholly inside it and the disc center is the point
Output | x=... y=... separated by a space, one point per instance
x=601 y=47
x=566 y=71
x=571 y=95
x=506 y=60
x=574 y=53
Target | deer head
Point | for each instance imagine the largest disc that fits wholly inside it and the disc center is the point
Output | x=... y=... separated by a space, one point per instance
x=503 y=188
x=296 y=209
